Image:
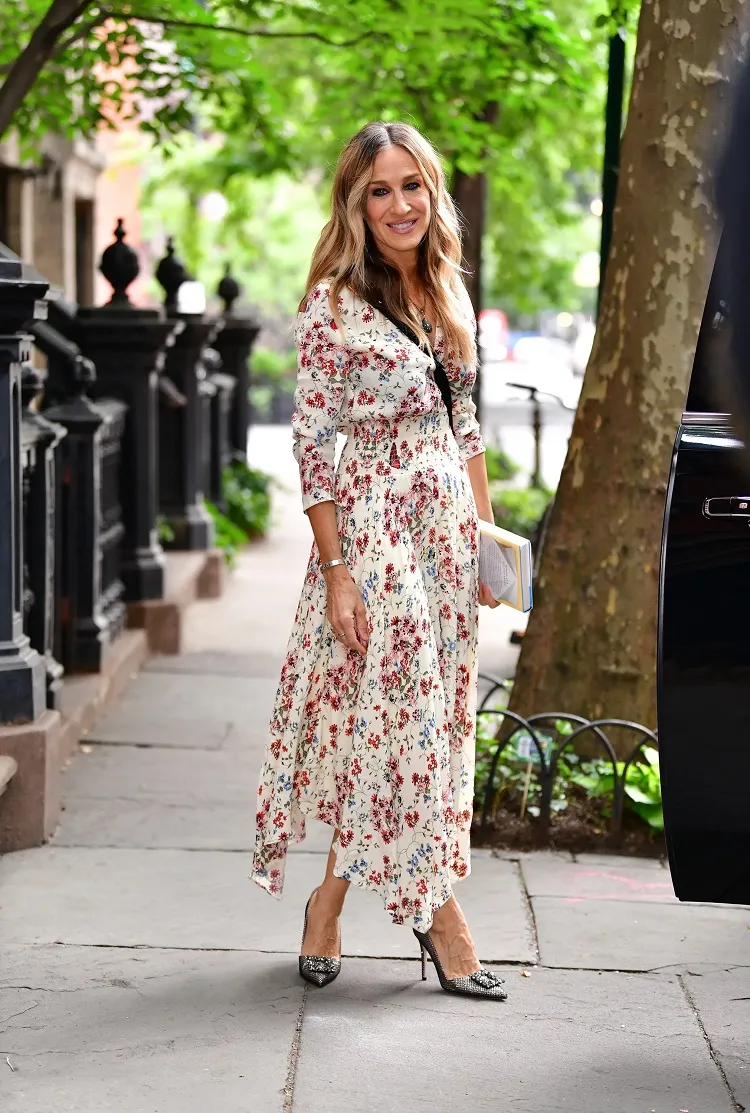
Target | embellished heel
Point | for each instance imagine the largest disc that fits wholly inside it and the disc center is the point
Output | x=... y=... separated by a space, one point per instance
x=482 y=983
x=318 y=970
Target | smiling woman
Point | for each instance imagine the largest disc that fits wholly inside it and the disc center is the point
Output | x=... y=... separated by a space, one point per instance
x=373 y=729
x=398 y=204
x=393 y=236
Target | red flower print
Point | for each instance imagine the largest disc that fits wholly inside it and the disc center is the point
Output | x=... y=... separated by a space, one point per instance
x=382 y=747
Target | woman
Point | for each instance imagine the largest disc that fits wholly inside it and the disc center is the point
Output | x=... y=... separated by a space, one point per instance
x=373 y=729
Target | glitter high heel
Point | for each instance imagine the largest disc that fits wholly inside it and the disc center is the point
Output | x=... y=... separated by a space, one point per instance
x=483 y=983
x=318 y=970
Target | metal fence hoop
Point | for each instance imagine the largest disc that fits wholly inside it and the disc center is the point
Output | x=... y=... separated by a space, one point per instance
x=522 y=724
x=496 y=684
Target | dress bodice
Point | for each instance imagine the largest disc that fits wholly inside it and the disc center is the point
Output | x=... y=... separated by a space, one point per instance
x=367 y=371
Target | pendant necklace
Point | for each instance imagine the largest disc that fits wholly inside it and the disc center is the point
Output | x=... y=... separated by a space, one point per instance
x=425 y=323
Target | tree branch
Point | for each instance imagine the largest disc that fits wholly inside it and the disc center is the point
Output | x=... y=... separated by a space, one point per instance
x=81 y=32
x=47 y=43
x=258 y=32
x=76 y=36
x=60 y=15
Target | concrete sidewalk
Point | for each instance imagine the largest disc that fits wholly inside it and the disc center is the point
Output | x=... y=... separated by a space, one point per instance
x=141 y=972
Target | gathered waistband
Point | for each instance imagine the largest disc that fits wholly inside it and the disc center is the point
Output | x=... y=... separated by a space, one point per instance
x=384 y=430
x=402 y=442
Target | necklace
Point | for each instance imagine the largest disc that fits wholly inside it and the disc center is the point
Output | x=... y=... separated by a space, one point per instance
x=421 y=310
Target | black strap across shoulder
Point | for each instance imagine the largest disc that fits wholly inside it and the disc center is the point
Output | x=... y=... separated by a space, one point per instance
x=441 y=376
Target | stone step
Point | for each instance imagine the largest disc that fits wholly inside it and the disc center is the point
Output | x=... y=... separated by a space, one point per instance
x=8 y=767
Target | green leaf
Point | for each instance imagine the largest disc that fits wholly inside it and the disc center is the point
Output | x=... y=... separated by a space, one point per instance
x=639 y=796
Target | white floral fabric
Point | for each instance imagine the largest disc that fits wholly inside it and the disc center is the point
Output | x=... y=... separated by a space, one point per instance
x=381 y=747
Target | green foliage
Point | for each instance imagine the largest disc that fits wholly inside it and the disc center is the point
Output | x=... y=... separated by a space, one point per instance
x=228 y=537
x=266 y=228
x=521 y=509
x=499 y=464
x=272 y=366
x=592 y=779
x=164 y=531
x=278 y=86
x=642 y=784
x=247 y=501
x=340 y=62
x=247 y=498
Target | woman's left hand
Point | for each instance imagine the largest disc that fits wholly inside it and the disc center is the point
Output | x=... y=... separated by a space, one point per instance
x=485 y=597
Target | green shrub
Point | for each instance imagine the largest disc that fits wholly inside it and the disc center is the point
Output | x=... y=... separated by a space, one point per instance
x=521 y=509
x=247 y=498
x=499 y=464
x=261 y=399
x=269 y=365
x=642 y=784
x=592 y=778
x=228 y=537
x=164 y=531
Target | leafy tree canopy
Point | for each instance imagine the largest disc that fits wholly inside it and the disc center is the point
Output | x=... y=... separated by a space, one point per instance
x=513 y=88
x=260 y=70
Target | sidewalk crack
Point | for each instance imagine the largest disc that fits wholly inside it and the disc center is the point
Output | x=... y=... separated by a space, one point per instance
x=736 y=1105
x=294 y=1052
x=530 y=914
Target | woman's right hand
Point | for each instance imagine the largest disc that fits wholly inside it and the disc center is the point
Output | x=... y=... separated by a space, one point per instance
x=345 y=609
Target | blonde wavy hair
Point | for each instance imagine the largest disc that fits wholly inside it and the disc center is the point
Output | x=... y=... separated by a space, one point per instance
x=347 y=255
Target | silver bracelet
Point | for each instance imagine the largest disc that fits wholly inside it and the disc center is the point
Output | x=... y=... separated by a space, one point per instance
x=331 y=564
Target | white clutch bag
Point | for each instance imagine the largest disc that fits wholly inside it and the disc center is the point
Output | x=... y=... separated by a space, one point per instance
x=505 y=566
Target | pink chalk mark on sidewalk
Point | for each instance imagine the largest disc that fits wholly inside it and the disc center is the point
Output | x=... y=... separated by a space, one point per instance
x=632 y=887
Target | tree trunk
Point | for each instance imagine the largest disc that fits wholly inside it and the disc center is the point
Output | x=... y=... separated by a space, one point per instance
x=591 y=641
x=60 y=15
x=470 y=196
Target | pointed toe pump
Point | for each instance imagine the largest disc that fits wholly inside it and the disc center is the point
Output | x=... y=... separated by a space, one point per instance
x=482 y=983
x=318 y=970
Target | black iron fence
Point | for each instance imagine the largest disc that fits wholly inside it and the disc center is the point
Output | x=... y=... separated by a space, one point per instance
x=543 y=746
x=90 y=461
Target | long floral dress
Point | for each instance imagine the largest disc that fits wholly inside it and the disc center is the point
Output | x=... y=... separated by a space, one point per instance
x=381 y=747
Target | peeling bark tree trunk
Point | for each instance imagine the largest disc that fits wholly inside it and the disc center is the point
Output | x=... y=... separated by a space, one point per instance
x=590 y=647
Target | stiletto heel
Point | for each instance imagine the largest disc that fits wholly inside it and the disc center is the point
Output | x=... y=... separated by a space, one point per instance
x=482 y=983
x=318 y=970
x=423 y=952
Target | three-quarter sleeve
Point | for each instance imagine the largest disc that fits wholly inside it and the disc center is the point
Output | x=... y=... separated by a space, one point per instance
x=465 y=424
x=322 y=365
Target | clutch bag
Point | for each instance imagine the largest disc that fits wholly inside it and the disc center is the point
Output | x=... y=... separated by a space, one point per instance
x=505 y=566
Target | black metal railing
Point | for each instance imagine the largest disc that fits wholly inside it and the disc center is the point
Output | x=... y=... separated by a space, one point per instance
x=549 y=737
x=40 y=439
x=83 y=468
x=111 y=526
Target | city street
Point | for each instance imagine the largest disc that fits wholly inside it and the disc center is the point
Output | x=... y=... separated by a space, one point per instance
x=141 y=972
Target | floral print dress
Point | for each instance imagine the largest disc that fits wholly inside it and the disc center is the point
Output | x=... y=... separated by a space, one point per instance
x=381 y=747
